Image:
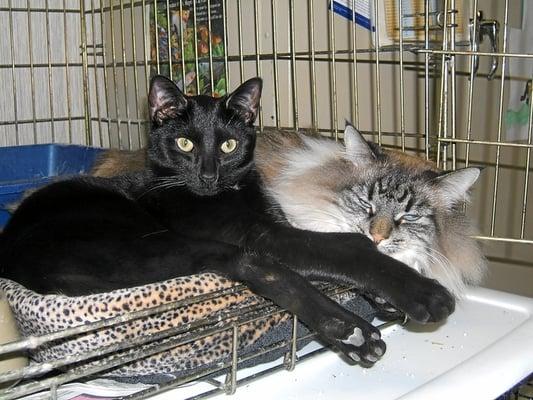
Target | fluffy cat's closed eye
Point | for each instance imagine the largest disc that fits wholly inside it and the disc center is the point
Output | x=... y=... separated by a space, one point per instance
x=409 y=209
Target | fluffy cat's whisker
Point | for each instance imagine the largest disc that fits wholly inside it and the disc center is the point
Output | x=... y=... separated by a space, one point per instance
x=441 y=268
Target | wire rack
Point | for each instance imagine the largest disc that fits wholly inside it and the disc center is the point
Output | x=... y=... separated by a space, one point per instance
x=77 y=71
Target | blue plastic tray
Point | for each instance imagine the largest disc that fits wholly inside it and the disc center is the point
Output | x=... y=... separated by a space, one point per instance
x=26 y=167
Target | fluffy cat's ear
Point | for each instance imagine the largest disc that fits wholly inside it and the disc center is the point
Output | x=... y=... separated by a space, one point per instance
x=357 y=148
x=454 y=185
x=165 y=99
x=245 y=100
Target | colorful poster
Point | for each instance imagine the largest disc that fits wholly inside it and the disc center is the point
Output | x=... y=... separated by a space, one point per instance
x=176 y=34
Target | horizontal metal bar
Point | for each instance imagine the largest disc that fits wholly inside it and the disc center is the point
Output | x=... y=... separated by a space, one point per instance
x=121 y=121
x=40 y=120
x=502 y=239
x=40 y=65
x=473 y=53
x=41 y=9
x=485 y=142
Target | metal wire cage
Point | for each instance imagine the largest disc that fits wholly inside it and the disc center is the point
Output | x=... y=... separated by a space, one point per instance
x=77 y=71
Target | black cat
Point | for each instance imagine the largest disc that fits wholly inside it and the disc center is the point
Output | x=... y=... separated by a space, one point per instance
x=199 y=207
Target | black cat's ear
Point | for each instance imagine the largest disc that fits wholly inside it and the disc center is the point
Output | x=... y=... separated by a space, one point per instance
x=165 y=99
x=357 y=148
x=245 y=100
x=454 y=186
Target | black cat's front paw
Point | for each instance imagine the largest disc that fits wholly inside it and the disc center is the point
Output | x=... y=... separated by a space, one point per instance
x=360 y=341
x=423 y=300
x=384 y=310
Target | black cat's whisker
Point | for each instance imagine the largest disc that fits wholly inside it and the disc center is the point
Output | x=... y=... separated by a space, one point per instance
x=163 y=185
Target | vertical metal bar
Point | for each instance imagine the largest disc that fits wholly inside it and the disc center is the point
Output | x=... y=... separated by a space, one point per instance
x=211 y=77
x=49 y=59
x=125 y=73
x=426 y=80
x=85 y=76
x=528 y=164
x=145 y=45
x=169 y=44
x=95 y=66
x=471 y=87
x=231 y=379
x=355 y=83
x=67 y=71
x=314 y=111
x=402 y=86
x=195 y=45
x=225 y=19
x=106 y=85
x=294 y=81
x=135 y=76
x=333 y=69
x=377 y=80
x=53 y=391
x=290 y=357
x=257 y=26
x=443 y=98
x=114 y=69
x=239 y=31
x=13 y=69
x=453 y=81
x=275 y=51
x=500 y=120
x=156 y=34
x=182 y=49
x=32 y=73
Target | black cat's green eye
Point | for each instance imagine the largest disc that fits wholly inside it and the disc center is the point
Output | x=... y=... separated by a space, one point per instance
x=229 y=146
x=185 y=144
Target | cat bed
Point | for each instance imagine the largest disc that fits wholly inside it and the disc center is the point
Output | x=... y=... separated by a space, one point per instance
x=37 y=315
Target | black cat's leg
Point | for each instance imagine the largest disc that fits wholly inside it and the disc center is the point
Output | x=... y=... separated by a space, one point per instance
x=349 y=258
x=352 y=335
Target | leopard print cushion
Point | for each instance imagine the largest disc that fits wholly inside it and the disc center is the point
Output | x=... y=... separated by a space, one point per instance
x=41 y=314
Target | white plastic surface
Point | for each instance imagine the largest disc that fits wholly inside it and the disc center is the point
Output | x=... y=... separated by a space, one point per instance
x=484 y=349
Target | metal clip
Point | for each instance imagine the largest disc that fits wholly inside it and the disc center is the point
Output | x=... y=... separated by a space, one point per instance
x=491 y=29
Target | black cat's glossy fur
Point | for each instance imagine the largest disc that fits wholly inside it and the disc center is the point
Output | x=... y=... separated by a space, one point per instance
x=204 y=210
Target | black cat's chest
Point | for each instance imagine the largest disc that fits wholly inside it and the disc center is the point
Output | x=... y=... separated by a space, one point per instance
x=225 y=216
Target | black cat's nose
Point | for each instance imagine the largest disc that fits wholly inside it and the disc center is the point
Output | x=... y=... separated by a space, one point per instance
x=209 y=177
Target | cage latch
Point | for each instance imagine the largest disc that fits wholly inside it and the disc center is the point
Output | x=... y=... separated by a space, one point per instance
x=484 y=28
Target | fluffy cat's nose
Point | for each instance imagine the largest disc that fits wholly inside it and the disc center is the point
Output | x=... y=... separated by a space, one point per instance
x=378 y=238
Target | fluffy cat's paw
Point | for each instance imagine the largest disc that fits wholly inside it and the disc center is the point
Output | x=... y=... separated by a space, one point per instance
x=423 y=300
x=360 y=342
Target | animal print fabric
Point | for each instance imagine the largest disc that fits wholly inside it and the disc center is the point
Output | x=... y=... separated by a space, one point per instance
x=41 y=314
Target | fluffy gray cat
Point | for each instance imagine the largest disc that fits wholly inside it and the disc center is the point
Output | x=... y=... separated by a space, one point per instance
x=411 y=210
